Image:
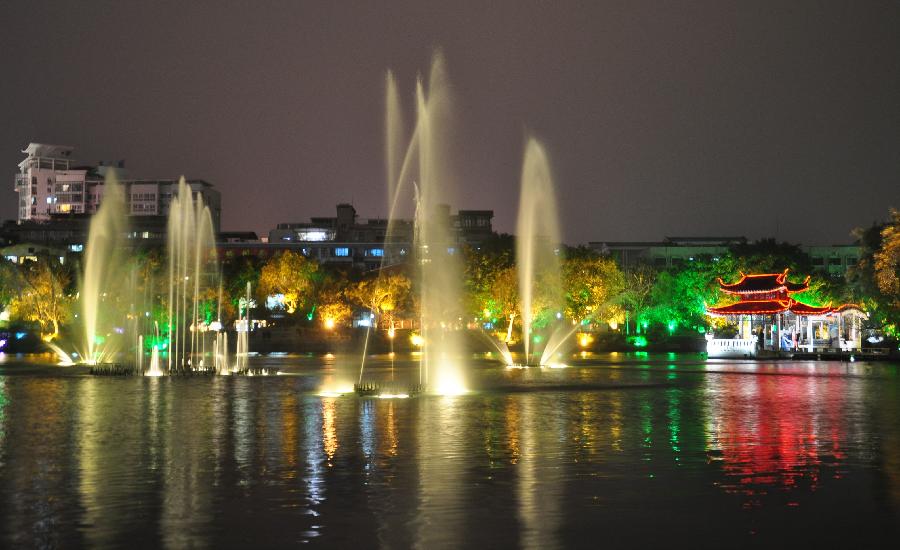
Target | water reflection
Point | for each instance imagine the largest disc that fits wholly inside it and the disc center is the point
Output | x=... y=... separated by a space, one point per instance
x=776 y=433
x=230 y=462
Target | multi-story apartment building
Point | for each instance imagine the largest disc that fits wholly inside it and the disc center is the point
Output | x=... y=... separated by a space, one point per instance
x=50 y=184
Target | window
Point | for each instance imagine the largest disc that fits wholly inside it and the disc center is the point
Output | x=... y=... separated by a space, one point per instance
x=377 y=252
x=818 y=261
x=76 y=247
x=341 y=251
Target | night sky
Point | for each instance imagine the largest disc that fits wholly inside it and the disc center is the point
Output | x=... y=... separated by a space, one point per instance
x=662 y=118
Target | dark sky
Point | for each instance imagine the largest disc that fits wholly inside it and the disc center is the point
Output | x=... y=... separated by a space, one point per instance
x=661 y=118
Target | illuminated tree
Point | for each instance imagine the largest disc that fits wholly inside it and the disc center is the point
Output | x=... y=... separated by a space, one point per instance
x=235 y=276
x=291 y=275
x=592 y=285
x=887 y=260
x=873 y=280
x=502 y=300
x=635 y=297
x=385 y=294
x=483 y=268
x=42 y=296
x=7 y=283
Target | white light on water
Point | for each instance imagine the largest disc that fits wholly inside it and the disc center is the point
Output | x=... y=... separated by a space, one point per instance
x=393 y=395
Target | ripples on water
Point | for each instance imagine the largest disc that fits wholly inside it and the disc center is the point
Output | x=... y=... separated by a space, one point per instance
x=660 y=452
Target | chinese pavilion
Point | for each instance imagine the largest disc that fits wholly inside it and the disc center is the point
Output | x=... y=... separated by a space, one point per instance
x=769 y=316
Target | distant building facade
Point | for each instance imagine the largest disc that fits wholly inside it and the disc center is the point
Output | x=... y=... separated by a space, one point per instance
x=51 y=186
x=366 y=243
x=672 y=252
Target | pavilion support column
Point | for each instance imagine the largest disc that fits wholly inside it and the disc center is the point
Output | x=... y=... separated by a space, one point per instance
x=809 y=334
x=777 y=339
x=840 y=330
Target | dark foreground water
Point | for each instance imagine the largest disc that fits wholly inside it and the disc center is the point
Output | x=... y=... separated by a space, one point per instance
x=616 y=451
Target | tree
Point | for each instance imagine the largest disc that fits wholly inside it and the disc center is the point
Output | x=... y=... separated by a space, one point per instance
x=332 y=303
x=887 y=260
x=679 y=297
x=483 y=267
x=291 y=275
x=8 y=284
x=592 y=285
x=635 y=297
x=770 y=256
x=385 y=293
x=42 y=296
x=235 y=276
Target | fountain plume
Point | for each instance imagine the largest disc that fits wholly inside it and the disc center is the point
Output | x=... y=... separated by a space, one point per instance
x=537 y=241
x=102 y=280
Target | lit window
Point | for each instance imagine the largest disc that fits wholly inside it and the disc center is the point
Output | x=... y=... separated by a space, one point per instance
x=342 y=251
x=377 y=252
x=76 y=247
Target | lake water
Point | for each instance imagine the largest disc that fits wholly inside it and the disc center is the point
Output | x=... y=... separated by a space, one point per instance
x=614 y=451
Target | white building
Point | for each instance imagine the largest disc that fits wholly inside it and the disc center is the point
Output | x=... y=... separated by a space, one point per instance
x=50 y=183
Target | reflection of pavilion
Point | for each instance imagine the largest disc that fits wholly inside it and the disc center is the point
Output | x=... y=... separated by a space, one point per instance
x=770 y=317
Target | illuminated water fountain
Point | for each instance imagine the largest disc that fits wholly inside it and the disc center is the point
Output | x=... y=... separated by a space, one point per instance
x=421 y=175
x=538 y=239
x=192 y=271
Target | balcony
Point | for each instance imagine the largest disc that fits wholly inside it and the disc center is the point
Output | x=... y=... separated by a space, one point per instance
x=21 y=181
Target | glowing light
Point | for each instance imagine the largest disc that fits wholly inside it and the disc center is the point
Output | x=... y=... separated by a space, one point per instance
x=639 y=342
x=335 y=392
x=393 y=395
x=585 y=339
x=417 y=340
x=449 y=382
x=391 y=333
x=329 y=323
x=556 y=366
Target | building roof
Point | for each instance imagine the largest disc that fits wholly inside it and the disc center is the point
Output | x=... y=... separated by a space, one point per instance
x=771 y=307
x=763 y=283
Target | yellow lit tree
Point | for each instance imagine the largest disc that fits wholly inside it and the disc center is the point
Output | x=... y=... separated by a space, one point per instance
x=385 y=294
x=887 y=260
x=292 y=275
x=592 y=285
x=42 y=296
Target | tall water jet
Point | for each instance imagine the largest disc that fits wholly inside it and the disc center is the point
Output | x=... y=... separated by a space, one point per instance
x=537 y=242
x=393 y=137
x=103 y=277
x=192 y=274
x=154 y=369
x=440 y=268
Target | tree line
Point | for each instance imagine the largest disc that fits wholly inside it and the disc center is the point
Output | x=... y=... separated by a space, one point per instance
x=591 y=289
